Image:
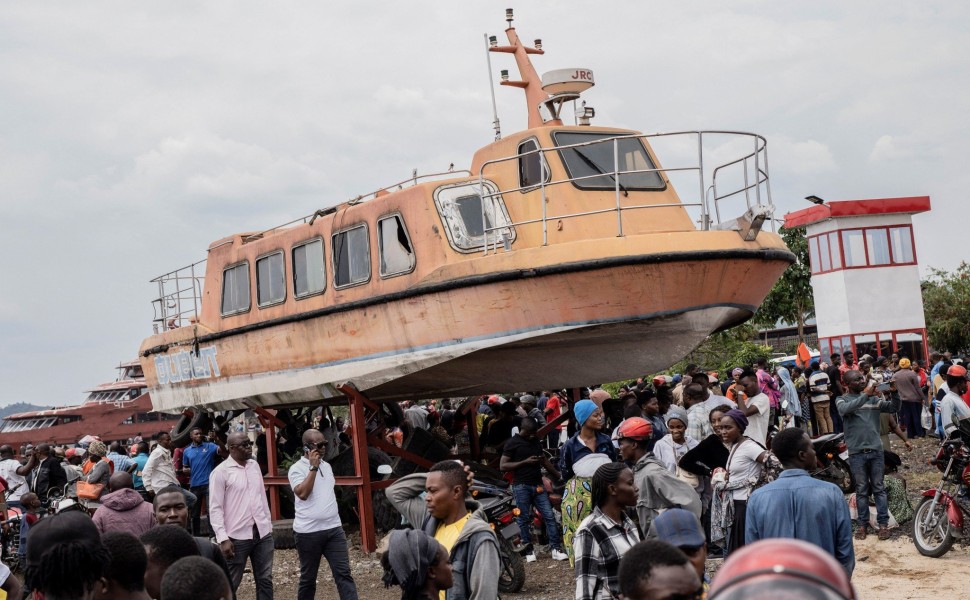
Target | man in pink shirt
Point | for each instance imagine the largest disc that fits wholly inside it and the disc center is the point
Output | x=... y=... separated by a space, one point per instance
x=239 y=515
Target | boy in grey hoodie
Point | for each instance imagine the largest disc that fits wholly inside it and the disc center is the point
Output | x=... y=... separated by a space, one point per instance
x=457 y=522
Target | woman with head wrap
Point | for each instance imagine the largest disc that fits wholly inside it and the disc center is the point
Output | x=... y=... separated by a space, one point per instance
x=418 y=563
x=789 y=402
x=579 y=458
x=97 y=469
x=732 y=487
x=607 y=534
x=735 y=384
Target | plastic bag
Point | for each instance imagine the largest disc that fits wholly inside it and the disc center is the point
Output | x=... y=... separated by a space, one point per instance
x=927 y=418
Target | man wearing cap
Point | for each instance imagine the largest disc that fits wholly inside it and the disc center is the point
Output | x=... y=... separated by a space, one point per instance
x=659 y=489
x=681 y=528
x=952 y=407
x=912 y=396
x=798 y=506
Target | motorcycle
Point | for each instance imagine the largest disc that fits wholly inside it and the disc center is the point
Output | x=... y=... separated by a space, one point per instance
x=832 y=457
x=499 y=506
x=10 y=539
x=942 y=517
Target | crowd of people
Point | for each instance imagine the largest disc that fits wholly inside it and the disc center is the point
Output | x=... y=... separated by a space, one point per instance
x=735 y=457
x=654 y=480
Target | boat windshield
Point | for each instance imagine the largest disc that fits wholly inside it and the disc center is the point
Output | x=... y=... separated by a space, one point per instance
x=597 y=158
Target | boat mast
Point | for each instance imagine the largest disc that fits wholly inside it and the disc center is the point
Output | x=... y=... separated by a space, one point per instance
x=491 y=88
x=530 y=82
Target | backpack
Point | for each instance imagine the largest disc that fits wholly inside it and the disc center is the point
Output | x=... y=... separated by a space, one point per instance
x=770 y=469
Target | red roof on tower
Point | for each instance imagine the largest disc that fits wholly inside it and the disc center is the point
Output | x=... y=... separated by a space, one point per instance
x=857 y=208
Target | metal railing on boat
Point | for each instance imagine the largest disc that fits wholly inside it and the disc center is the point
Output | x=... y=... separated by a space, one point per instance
x=749 y=170
x=179 y=297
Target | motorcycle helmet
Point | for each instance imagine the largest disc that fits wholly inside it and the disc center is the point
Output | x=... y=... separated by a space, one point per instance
x=635 y=428
x=766 y=568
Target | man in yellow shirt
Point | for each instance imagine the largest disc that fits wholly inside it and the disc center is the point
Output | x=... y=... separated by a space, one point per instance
x=457 y=522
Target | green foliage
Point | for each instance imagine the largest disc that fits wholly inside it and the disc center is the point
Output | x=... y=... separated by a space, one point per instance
x=790 y=300
x=614 y=388
x=289 y=460
x=946 y=304
x=726 y=350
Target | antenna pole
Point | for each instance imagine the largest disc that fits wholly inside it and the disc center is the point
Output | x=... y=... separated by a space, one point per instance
x=491 y=88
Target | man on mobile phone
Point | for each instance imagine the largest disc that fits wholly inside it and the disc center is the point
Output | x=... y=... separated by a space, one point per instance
x=523 y=456
x=317 y=524
x=860 y=409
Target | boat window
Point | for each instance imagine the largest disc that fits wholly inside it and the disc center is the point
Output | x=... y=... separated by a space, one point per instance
x=461 y=210
x=397 y=257
x=270 y=280
x=351 y=256
x=309 y=272
x=531 y=165
x=597 y=159
x=235 y=289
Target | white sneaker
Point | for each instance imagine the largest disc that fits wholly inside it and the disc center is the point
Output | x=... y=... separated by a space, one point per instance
x=557 y=555
x=530 y=557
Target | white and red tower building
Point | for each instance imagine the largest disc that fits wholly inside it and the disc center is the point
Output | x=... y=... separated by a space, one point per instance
x=865 y=276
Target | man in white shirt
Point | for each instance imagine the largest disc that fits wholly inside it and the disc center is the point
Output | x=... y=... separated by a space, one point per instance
x=14 y=474
x=755 y=405
x=711 y=400
x=317 y=524
x=159 y=471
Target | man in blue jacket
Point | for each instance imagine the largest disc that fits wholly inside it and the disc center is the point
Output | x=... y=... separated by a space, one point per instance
x=200 y=457
x=797 y=506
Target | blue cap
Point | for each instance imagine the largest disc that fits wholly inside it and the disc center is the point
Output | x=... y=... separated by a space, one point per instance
x=678 y=527
x=677 y=378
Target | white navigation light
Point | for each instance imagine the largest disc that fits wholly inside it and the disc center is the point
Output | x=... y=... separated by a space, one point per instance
x=567 y=81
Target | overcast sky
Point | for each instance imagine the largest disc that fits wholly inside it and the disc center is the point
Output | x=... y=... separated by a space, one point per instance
x=134 y=134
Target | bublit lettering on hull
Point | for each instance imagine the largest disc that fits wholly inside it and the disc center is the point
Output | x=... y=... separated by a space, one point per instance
x=187 y=365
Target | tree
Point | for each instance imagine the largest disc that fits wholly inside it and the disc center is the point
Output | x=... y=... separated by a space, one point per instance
x=726 y=350
x=791 y=299
x=946 y=306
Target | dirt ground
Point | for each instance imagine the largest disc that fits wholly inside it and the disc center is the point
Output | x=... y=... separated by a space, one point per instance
x=887 y=570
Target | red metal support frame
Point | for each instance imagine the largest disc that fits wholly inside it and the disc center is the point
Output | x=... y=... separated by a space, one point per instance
x=269 y=422
x=365 y=507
